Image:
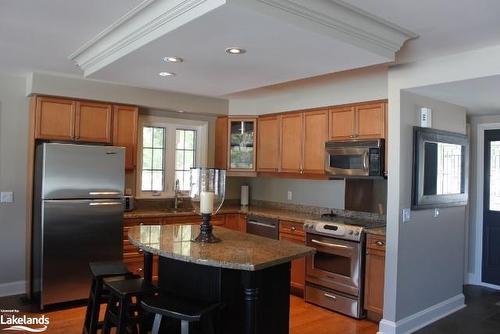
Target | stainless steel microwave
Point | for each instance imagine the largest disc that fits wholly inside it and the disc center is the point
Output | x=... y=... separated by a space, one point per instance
x=355 y=158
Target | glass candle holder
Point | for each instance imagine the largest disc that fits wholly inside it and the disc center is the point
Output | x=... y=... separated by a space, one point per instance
x=208 y=188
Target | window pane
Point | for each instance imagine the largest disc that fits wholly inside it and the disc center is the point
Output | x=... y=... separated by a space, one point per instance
x=179 y=139
x=157 y=158
x=158 y=137
x=147 y=158
x=157 y=184
x=495 y=176
x=179 y=159
x=146 y=181
x=147 y=136
x=187 y=181
x=188 y=159
x=189 y=139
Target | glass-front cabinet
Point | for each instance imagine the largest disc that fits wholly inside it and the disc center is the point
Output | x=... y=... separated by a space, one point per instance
x=241 y=153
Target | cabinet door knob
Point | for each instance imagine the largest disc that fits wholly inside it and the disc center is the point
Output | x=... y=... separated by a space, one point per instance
x=293 y=228
x=380 y=243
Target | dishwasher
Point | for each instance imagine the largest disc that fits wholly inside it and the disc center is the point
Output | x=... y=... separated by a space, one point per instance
x=263 y=226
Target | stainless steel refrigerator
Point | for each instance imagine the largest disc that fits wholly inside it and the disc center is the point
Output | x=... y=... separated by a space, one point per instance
x=78 y=217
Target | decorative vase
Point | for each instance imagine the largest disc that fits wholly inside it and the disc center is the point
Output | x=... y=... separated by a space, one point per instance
x=208 y=188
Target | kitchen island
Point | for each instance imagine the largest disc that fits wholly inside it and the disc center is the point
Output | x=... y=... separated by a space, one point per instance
x=247 y=274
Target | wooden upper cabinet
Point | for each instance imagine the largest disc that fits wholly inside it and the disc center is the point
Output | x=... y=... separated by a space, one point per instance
x=291 y=142
x=363 y=121
x=54 y=118
x=220 y=160
x=371 y=121
x=315 y=135
x=268 y=155
x=93 y=122
x=125 y=132
x=342 y=123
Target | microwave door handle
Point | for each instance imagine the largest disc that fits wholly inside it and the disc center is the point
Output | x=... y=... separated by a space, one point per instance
x=365 y=161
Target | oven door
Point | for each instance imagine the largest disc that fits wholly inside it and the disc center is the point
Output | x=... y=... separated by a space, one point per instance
x=347 y=161
x=337 y=264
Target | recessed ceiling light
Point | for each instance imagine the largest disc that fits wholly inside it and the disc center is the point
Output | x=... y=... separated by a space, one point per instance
x=173 y=59
x=166 y=74
x=235 y=51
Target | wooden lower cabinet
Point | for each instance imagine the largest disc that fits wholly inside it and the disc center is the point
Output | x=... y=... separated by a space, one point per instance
x=293 y=232
x=374 y=276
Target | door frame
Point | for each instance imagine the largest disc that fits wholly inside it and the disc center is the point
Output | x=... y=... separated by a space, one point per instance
x=476 y=277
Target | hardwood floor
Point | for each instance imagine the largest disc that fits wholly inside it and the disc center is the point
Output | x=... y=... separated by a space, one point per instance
x=304 y=319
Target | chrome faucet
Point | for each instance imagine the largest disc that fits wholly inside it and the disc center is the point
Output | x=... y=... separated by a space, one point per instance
x=177 y=191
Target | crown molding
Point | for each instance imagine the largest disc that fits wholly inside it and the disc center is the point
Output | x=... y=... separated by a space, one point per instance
x=152 y=19
x=148 y=21
x=340 y=20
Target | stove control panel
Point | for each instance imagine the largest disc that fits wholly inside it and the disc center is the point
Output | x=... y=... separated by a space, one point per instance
x=338 y=230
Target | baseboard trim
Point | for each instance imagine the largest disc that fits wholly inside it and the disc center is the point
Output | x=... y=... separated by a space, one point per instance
x=423 y=318
x=12 y=288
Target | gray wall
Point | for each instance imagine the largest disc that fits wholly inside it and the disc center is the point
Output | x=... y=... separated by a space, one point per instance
x=328 y=194
x=334 y=89
x=46 y=84
x=13 y=147
x=430 y=256
x=13 y=162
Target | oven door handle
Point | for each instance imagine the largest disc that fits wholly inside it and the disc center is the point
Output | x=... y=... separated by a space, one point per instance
x=327 y=244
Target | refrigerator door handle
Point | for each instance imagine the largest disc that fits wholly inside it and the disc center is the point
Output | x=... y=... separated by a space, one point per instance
x=102 y=193
x=104 y=203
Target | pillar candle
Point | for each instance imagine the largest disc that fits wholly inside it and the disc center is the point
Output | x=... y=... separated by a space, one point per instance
x=207 y=202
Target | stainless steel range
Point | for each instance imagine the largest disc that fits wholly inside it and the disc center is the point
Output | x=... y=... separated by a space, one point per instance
x=334 y=275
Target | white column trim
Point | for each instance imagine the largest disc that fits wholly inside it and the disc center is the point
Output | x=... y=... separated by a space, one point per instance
x=423 y=318
x=12 y=288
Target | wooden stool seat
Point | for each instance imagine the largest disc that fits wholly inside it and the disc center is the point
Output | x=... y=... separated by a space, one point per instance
x=185 y=310
x=108 y=269
x=122 y=311
x=101 y=272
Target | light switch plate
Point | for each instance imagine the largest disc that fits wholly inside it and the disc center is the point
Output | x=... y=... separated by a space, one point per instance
x=406 y=215
x=289 y=195
x=6 y=197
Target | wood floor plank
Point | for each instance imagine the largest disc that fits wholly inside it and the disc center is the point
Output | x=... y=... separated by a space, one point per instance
x=304 y=319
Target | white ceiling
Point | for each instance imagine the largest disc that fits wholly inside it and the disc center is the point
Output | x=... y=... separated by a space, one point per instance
x=444 y=26
x=38 y=35
x=276 y=52
x=479 y=96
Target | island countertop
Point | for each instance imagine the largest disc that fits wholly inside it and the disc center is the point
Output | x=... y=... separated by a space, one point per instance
x=240 y=251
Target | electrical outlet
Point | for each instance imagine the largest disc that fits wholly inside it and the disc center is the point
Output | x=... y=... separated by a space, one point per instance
x=6 y=197
x=289 y=195
x=437 y=212
x=406 y=215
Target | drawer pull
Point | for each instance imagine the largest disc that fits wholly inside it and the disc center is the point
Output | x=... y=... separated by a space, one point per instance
x=380 y=243
x=327 y=295
x=139 y=270
x=293 y=228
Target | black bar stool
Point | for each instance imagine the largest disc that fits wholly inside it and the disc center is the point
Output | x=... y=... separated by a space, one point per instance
x=185 y=310
x=100 y=272
x=122 y=312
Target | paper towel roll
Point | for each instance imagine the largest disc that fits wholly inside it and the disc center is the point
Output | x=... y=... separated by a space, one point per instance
x=244 y=195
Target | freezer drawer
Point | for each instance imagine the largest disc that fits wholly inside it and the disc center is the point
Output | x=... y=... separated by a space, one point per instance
x=81 y=171
x=76 y=232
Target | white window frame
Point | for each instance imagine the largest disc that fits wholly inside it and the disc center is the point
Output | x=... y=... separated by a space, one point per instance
x=170 y=125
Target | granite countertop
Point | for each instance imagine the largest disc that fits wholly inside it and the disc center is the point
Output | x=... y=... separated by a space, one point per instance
x=276 y=213
x=376 y=230
x=282 y=214
x=237 y=250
